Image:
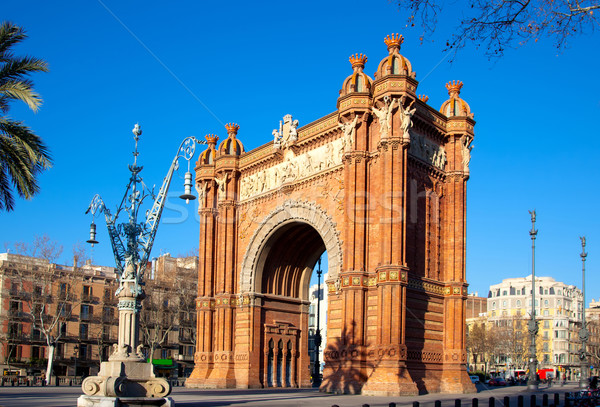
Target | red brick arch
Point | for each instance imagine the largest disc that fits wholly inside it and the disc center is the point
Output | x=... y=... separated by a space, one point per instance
x=291 y=212
x=380 y=184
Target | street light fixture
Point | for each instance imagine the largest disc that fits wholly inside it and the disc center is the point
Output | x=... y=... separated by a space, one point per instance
x=76 y=353
x=584 y=334
x=127 y=373
x=317 y=338
x=532 y=382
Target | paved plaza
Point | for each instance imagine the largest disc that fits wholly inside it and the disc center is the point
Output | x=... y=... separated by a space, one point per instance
x=183 y=397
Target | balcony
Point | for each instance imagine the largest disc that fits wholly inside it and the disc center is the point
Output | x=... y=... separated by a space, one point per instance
x=17 y=337
x=87 y=297
x=16 y=314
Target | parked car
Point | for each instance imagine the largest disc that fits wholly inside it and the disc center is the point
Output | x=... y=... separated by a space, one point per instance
x=497 y=381
x=474 y=379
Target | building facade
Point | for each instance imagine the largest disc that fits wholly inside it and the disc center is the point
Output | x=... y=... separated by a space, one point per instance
x=80 y=313
x=558 y=310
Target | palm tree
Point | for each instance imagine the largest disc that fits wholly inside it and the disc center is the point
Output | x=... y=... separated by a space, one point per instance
x=23 y=155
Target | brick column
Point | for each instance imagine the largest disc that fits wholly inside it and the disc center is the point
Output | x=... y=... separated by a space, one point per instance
x=454 y=376
x=387 y=355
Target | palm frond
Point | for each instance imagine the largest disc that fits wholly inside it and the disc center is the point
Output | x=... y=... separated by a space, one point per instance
x=10 y=34
x=23 y=155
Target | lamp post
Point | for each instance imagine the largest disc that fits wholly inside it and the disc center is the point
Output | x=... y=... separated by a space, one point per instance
x=76 y=353
x=583 y=332
x=126 y=373
x=532 y=382
x=317 y=340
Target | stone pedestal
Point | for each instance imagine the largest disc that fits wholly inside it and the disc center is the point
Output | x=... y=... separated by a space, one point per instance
x=131 y=381
x=97 y=401
x=126 y=379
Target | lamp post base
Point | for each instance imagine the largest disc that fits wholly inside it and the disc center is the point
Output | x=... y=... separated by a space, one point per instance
x=126 y=379
x=100 y=401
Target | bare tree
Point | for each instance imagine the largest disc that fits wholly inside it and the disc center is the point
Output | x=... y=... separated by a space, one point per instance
x=477 y=342
x=48 y=295
x=170 y=303
x=500 y=24
x=158 y=316
x=42 y=246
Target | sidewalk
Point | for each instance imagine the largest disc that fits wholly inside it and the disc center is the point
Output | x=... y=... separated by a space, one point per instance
x=183 y=397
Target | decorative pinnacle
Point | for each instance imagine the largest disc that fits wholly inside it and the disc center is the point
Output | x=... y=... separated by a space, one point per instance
x=423 y=98
x=358 y=61
x=232 y=129
x=212 y=139
x=394 y=42
x=454 y=88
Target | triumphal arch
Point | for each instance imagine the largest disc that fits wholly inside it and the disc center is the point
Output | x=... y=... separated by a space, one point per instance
x=380 y=185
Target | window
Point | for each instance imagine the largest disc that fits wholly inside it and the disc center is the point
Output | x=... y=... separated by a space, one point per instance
x=546 y=303
x=63 y=328
x=83 y=331
x=83 y=351
x=107 y=314
x=546 y=313
x=494 y=305
x=504 y=292
x=65 y=310
x=518 y=303
x=36 y=335
x=546 y=324
x=85 y=312
x=504 y=304
x=37 y=352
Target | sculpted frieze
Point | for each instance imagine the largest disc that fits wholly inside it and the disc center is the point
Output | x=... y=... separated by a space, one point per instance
x=293 y=168
x=426 y=150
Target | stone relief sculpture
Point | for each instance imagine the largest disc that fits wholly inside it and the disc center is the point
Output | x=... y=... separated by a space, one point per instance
x=466 y=153
x=384 y=115
x=293 y=168
x=407 y=114
x=428 y=151
x=349 y=130
x=221 y=185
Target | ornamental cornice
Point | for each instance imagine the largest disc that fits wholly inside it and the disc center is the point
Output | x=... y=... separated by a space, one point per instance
x=394 y=85
x=354 y=101
x=427 y=285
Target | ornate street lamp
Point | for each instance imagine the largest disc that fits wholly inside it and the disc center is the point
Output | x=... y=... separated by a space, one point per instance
x=532 y=382
x=126 y=373
x=317 y=339
x=584 y=334
x=76 y=353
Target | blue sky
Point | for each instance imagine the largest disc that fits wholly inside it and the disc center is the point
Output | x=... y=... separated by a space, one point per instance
x=190 y=67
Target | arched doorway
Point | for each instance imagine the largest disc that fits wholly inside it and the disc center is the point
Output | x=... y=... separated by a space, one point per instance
x=283 y=280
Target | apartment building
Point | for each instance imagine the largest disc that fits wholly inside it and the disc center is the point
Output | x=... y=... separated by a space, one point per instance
x=558 y=309
x=78 y=308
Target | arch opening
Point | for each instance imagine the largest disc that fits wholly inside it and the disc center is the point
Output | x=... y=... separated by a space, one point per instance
x=287 y=277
